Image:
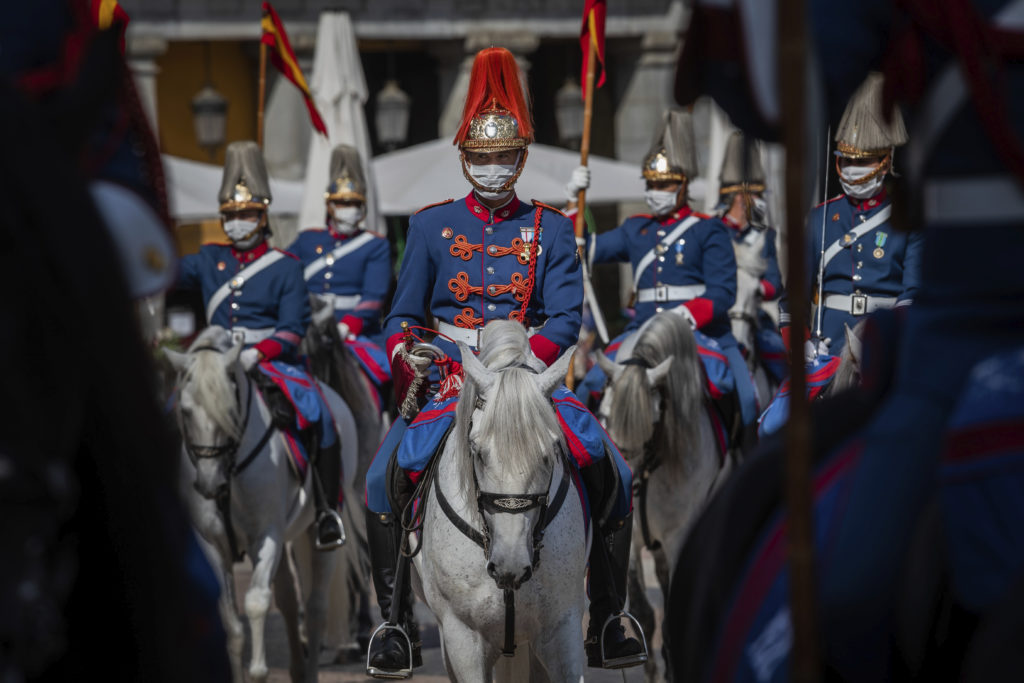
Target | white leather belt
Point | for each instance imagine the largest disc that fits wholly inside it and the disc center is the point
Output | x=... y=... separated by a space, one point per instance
x=858 y=304
x=468 y=337
x=346 y=302
x=665 y=293
x=248 y=335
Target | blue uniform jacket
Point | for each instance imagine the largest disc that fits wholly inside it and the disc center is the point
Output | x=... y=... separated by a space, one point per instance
x=364 y=272
x=466 y=265
x=882 y=262
x=274 y=299
x=772 y=280
x=702 y=256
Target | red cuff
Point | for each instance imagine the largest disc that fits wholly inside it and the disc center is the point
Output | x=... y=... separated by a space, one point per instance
x=393 y=341
x=270 y=348
x=701 y=309
x=544 y=348
x=355 y=323
x=769 y=290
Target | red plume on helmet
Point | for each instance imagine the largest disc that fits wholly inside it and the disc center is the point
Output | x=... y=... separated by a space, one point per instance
x=495 y=87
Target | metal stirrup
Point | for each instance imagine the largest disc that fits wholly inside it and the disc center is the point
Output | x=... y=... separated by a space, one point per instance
x=341 y=527
x=395 y=675
x=628 y=660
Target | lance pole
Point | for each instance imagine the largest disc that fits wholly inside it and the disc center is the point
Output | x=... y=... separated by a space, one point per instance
x=792 y=67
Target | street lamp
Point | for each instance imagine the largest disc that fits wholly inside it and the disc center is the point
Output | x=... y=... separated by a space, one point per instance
x=569 y=113
x=210 y=116
x=392 y=117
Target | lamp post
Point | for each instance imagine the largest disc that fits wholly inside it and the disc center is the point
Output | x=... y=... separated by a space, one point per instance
x=392 y=118
x=569 y=113
x=210 y=116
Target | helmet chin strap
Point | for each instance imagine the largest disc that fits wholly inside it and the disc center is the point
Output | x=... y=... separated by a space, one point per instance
x=507 y=187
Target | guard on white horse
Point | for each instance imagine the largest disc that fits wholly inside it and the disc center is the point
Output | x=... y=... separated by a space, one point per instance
x=258 y=295
x=744 y=211
x=682 y=261
x=486 y=257
x=655 y=409
x=506 y=491
x=349 y=268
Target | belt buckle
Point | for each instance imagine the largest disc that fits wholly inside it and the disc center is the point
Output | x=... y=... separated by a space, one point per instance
x=661 y=294
x=479 y=331
x=237 y=337
x=858 y=304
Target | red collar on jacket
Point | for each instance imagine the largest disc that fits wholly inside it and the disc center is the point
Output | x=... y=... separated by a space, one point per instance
x=675 y=216
x=484 y=212
x=870 y=203
x=728 y=220
x=251 y=255
x=338 y=236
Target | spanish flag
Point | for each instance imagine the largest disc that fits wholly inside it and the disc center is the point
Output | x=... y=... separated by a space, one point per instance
x=106 y=13
x=592 y=31
x=282 y=56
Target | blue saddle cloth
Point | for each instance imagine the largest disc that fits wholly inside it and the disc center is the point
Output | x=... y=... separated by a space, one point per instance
x=303 y=393
x=820 y=374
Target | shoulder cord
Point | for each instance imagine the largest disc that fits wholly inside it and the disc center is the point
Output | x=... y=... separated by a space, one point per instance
x=532 y=272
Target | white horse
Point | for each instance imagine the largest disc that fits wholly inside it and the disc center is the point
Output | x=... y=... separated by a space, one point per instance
x=505 y=476
x=236 y=462
x=655 y=412
x=743 y=316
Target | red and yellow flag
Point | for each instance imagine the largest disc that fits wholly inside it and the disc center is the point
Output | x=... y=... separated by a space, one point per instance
x=282 y=56
x=592 y=31
x=105 y=13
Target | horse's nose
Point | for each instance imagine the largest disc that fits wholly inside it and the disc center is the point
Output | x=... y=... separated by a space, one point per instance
x=509 y=579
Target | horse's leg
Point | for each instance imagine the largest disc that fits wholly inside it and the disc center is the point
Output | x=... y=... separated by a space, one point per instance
x=266 y=556
x=662 y=569
x=470 y=658
x=639 y=606
x=559 y=653
x=316 y=607
x=287 y=599
x=233 y=628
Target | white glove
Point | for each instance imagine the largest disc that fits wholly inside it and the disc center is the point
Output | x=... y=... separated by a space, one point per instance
x=580 y=180
x=814 y=348
x=343 y=330
x=249 y=358
x=686 y=315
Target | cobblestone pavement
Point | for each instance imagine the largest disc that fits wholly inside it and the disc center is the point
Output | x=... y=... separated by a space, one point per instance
x=433 y=668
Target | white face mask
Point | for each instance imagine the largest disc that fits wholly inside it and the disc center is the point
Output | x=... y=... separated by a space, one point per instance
x=661 y=202
x=243 y=234
x=493 y=176
x=346 y=218
x=864 y=190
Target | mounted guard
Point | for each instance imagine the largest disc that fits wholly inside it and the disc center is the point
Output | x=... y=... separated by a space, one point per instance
x=347 y=267
x=743 y=209
x=861 y=263
x=258 y=295
x=488 y=256
x=682 y=262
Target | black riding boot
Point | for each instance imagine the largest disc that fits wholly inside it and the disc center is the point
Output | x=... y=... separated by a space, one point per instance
x=609 y=563
x=391 y=652
x=330 y=533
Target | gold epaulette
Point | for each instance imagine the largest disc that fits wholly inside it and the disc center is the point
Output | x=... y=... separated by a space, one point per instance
x=548 y=206
x=430 y=206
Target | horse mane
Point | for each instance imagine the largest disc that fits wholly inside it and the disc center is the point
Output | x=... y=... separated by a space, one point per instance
x=516 y=415
x=208 y=382
x=848 y=372
x=663 y=336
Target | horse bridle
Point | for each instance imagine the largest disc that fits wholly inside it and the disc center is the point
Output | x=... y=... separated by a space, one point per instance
x=197 y=452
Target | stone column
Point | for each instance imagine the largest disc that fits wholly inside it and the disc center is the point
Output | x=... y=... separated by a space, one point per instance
x=142 y=53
